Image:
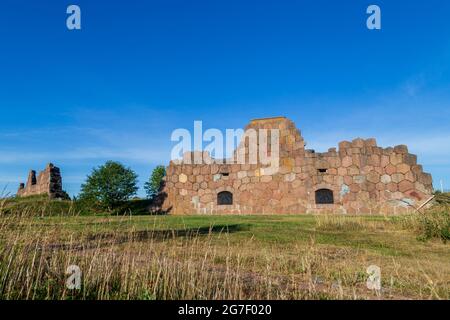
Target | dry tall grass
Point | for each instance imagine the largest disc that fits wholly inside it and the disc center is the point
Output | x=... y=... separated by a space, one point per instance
x=131 y=265
x=186 y=263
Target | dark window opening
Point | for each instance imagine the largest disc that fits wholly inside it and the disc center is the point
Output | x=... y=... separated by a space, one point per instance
x=324 y=196
x=33 y=178
x=225 y=174
x=322 y=170
x=224 y=198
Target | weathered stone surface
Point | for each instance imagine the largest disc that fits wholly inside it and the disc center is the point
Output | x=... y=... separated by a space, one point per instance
x=398 y=177
x=403 y=168
x=241 y=174
x=401 y=149
x=182 y=178
x=266 y=179
x=396 y=159
x=289 y=177
x=386 y=179
x=405 y=185
x=359 y=179
x=385 y=160
x=355 y=187
x=362 y=177
x=373 y=177
x=48 y=182
x=347 y=161
x=390 y=169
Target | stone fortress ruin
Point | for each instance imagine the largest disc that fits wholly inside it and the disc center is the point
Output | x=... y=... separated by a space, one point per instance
x=358 y=178
x=47 y=182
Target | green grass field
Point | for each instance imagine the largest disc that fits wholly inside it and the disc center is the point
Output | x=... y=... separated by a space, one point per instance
x=211 y=257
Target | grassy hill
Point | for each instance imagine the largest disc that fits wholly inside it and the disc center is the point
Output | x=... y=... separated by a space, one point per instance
x=37 y=206
x=43 y=206
x=219 y=257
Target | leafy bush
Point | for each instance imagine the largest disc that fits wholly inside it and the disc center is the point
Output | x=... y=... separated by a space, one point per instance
x=133 y=207
x=108 y=186
x=435 y=223
x=153 y=186
x=442 y=198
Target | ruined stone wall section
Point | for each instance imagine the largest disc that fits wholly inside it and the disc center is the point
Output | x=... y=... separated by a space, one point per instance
x=47 y=182
x=364 y=179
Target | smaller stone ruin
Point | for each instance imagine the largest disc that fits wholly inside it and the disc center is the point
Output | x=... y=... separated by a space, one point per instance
x=47 y=182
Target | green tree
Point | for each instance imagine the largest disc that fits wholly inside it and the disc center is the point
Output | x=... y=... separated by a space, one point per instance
x=108 y=185
x=153 y=186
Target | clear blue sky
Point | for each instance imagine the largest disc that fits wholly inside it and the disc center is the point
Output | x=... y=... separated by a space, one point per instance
x=139 y=69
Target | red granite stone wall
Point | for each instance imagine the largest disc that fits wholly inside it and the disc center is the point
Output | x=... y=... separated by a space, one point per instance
x=363 y=178
x=47 y=182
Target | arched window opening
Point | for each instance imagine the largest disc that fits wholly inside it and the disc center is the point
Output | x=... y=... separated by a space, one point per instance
x=224 y=198
x=324 y=196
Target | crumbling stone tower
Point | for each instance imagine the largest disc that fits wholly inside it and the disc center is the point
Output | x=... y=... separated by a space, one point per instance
x=359 y=177
x=48 y=182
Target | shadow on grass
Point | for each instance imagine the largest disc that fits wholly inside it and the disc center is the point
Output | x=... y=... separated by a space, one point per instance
x=99 y=240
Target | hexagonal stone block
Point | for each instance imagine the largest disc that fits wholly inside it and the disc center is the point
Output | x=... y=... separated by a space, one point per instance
x=417 y=169
x=342 y=171
x=355 y=187
x=410 y=176
x=390 y=169
x=398 y=177
x=405 y=185
x=380 y=186
x=183 y=178
x=385 y=160
x=347 y=161
x=425 y=178
x=403 y=168
x=385 y=178
x=359 y=179
x=348 y=180
x=374 y=160
x=420 y=187
x=396 y=158
x=371 y=187
x=206 y=198
x=373 y=177
x=410 y=159
x=392 y=187
x=353 y=170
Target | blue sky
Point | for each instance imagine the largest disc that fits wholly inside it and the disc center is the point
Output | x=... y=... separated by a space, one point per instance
x=140 y=69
